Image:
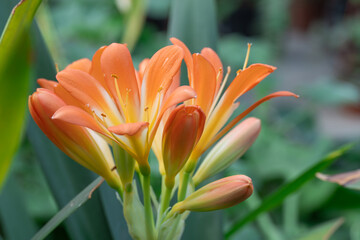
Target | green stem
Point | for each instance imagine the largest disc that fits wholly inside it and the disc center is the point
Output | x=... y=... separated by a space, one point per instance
x=165 y=201
x=183 y=186
x=149 y=220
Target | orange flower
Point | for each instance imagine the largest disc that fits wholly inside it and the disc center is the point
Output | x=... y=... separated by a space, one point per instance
x=81 y=144
x=205 y=73
x=109 y=96
x=223 y=193
x=182 y=131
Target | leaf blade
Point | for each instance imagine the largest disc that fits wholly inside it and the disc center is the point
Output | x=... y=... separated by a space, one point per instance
x=276 y=198
x=14 y=79
x=71 y=207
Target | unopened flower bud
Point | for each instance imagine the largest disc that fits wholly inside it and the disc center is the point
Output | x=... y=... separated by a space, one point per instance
x=181 y=132
x=220 y=194
x=228 y=149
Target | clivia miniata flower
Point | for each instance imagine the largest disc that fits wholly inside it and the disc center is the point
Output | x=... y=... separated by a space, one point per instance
x=205 y=72
x=110 y=97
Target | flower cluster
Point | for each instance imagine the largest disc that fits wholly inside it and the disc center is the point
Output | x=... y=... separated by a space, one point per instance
x=107 y=116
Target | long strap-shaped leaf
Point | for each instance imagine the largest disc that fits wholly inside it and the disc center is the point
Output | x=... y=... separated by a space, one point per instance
x=277 y=197
x=14 y=78
x=74 y=204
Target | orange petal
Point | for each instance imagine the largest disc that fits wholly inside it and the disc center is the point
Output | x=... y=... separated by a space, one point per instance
x=160 y=71
x=247 y=111
x=179 y=95
x=44 y=83
x=61 y=92
x=142 y=68
x=81 y=64
x=86 y=89
x=204 y=82
x=129 y=129
x=187 y=54
x=117 y=65
x=95 y=69
x=77 y=116
x=215 y=61
x=246 y=80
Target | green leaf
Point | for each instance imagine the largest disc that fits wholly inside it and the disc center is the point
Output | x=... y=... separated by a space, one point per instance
x=14 y=79
x=324 y=231
x=73 y=205
x=194 y=23
x=276 y=198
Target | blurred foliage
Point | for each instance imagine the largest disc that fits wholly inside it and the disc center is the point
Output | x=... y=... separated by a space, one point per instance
x=289 y=143
x=15 y=61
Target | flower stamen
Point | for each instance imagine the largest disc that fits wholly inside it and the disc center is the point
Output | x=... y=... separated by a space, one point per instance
x=219 y=92
x=247 y=56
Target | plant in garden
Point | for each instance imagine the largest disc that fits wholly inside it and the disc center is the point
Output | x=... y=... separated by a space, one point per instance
x=104 y=104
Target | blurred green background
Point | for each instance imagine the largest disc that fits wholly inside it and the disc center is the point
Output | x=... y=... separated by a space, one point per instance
x=314 y=44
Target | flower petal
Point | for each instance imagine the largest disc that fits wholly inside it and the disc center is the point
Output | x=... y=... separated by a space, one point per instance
x=117 y=65
x=179 y=95
x=160 y=72
x=204 y=82
x=77 y=116
x=129 y=129
x=215 y=61
x=86 y=89
x=246 y=80
x=44 y=83
x=187 y=58
x=81 y=64
x=247 y=111
x=95 y=69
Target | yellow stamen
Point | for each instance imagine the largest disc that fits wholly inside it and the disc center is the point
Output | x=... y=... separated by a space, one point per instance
x=147 y=117
x=122 y=104
x=219 y=92
x=247 y=56
x=218 y=74
x=100 y=121
x=57 y=68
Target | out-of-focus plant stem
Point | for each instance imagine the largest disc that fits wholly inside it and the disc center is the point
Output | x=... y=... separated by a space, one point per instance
x=165 y=201
x=134 y=23
x=264 y=221
x=48 y=31
x=149 y=220
x=183 y=186
x=290 y=215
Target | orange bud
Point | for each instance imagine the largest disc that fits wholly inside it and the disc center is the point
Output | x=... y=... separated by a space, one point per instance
x=230 y=148
x=81 y=144
x=181 y=132
x=220 y=194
